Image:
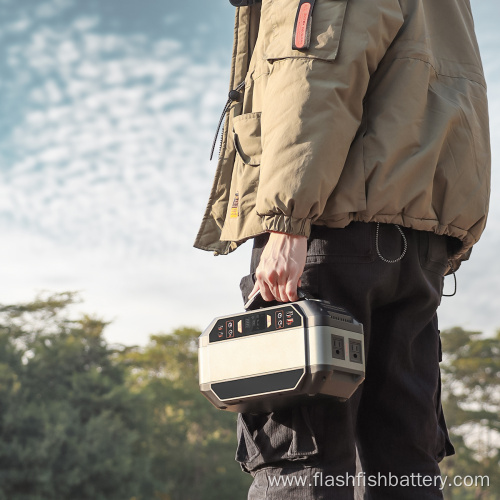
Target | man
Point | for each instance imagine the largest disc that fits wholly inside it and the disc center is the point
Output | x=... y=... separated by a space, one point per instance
x=357 y=157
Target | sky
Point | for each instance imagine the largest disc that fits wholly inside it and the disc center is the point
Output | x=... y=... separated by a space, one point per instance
x=107 y=114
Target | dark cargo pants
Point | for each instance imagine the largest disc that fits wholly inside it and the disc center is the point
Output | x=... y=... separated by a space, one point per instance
x=395 y=417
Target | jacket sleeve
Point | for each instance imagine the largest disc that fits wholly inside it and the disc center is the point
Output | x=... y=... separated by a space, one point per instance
x=313 y=105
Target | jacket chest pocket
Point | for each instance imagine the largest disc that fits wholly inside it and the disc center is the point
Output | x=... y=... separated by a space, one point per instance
x=327 y=20
x=247 y=138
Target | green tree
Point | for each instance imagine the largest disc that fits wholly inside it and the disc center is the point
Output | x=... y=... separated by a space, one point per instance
x=69 y=426
x=82 y=420
x=471 y=400
x=192 y=444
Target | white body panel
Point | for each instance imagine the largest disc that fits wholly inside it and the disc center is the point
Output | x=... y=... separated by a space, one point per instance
x=254 y=355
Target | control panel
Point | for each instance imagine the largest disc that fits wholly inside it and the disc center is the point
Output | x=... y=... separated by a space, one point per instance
x=254 y=322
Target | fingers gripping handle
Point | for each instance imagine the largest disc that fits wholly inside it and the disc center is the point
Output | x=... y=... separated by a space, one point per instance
x=258 y=302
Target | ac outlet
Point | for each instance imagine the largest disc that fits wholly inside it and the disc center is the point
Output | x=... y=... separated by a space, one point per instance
x=338 y=350
x=355 y=353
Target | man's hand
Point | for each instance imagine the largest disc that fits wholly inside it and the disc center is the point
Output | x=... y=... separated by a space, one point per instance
x=280 y=268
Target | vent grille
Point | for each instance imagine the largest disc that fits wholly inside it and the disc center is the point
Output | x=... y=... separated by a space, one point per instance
x=338 y=313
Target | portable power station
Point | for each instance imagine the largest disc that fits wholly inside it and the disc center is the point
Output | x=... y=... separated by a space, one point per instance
x=266 y=359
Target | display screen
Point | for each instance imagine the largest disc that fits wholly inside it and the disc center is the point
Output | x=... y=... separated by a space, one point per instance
x=254 y=322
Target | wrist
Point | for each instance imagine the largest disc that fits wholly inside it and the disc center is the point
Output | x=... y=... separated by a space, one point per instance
x=287 y=234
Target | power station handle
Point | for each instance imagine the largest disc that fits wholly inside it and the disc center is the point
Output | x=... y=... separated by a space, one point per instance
x=258 y=302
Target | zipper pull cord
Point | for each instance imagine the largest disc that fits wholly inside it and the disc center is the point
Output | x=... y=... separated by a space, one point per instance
x=234 y=95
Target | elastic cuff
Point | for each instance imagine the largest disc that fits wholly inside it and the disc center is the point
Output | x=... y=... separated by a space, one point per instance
x=286 y=224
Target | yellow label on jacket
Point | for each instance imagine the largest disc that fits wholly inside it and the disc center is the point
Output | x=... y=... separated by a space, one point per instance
x=234 y=207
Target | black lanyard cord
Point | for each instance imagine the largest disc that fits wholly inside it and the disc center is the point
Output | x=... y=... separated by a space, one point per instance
x=234 y=95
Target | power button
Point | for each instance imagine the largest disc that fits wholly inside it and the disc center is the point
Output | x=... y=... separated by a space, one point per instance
x=229 y=329
x=280 y=320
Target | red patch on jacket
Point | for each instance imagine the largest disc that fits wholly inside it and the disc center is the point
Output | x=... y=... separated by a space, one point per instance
x=301 y=27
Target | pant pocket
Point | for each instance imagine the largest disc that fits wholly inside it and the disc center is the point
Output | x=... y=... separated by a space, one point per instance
x=353 y=244
x=444 y=447
x=247 y=450
x=433 y=252
x=265 y=439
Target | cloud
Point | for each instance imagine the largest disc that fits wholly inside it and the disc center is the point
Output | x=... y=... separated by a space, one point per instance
x=86 y=23
x=105 y=176
x=108 y=171
x=112 y=123
x=18 y=26
x=52 y=8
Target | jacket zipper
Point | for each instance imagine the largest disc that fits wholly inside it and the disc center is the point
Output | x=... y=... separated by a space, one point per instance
x=234 y=96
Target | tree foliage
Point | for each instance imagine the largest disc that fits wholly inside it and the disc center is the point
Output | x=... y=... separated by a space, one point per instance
x=80 y=419
x=192 y=444
x=471 y=399
x=69 y=426
x=83 y=420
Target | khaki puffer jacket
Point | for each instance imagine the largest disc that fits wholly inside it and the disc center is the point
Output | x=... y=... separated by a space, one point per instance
x=382 y=118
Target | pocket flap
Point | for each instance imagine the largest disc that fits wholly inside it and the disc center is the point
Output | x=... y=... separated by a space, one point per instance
x=326 y=27
x=247 y=141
